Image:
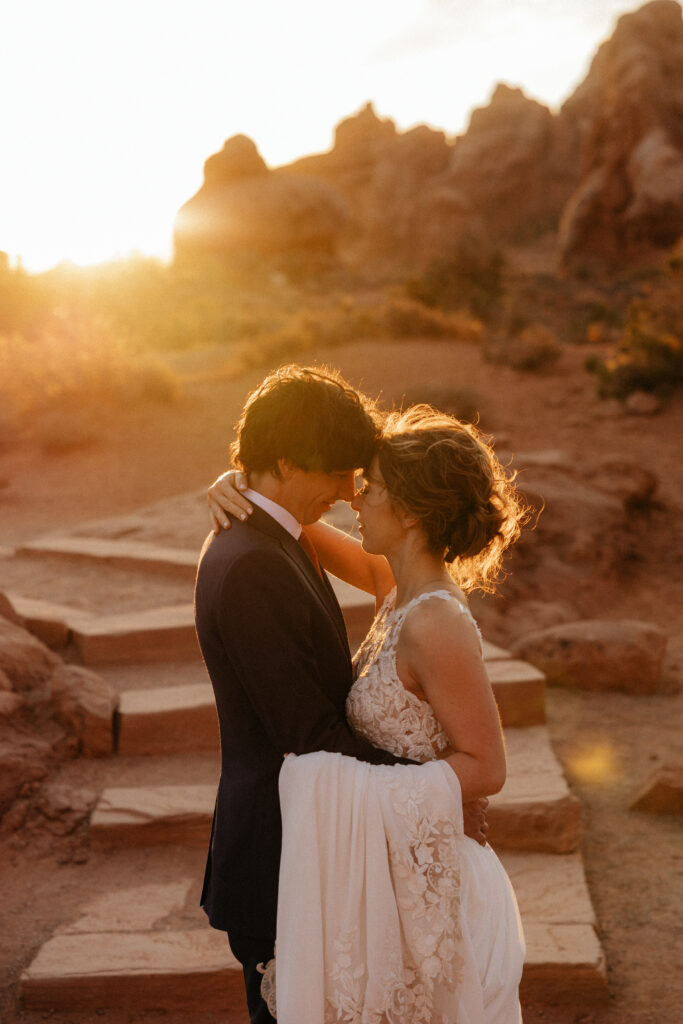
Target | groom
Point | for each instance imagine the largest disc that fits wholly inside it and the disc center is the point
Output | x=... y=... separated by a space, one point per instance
x=273 y=639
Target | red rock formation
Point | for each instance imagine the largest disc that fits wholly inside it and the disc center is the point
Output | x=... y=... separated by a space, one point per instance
x=244 y=208
x=628 y=118
x=513 y=164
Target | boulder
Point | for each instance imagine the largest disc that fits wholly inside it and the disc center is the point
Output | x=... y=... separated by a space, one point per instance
x=85 y=705
x=598 y=654
x=630 y=481
x=63 y=808
x=10 y=704
x=626 y=116
x=23 y=763
x=25 y=660
x=5 y=682
x=244 y=208
x=661 y=792
x=642 y=403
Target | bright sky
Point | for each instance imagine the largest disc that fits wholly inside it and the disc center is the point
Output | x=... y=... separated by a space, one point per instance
x=109 y=107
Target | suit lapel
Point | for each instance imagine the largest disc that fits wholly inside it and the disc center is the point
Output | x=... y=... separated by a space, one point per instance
x=321 y=586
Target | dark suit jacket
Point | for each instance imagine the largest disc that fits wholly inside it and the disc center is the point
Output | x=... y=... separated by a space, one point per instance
x=273 y=639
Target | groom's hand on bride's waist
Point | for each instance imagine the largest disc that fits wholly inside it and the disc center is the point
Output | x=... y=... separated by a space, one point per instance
x=474 y=820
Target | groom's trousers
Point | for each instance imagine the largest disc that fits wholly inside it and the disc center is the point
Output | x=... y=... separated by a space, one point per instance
x=250 y=959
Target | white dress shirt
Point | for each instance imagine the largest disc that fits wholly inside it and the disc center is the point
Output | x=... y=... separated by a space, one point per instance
x=279 y=514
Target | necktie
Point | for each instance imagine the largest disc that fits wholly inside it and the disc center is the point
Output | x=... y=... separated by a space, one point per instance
x=307 y=545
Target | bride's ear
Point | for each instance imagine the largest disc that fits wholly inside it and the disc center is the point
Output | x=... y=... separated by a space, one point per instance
x=408 y=520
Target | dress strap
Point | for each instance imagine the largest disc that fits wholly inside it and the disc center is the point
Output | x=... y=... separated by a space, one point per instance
x=445 y=595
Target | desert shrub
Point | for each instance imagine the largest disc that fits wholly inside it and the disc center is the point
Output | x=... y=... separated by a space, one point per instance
x=56 y=384
x=472 y=277
x=408 y=318
x=534 y=348
x=648 y=355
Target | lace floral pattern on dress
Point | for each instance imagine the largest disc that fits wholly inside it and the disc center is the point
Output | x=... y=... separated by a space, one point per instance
x=379 y=707
x=421 y=972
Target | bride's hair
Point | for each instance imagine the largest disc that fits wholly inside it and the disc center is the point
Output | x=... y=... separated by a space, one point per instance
x=444 y=472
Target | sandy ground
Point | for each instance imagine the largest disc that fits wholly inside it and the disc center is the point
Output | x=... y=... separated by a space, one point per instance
x=607 y=742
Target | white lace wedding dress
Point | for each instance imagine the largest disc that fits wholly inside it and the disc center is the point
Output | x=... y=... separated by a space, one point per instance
x=387 y=913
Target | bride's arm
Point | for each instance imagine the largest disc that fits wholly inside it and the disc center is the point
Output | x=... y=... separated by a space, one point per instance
x=345 y=558
x=439 y=655
x=340 y=554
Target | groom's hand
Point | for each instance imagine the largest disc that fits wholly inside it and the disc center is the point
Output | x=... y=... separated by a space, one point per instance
x=474 y=820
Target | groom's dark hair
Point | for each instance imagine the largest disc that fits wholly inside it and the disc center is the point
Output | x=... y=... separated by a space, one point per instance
x=312 y=417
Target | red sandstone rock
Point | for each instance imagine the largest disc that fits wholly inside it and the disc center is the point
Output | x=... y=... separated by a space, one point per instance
x=23 y=762
x=598 y=654
x=627 y=116
x=661 y=792
x=25 y=660
x=242 y=207
x=85 y=706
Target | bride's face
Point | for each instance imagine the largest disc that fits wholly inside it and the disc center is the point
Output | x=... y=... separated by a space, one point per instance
x=380 y=526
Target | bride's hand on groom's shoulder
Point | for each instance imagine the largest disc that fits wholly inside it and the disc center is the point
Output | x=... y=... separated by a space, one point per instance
x=223 y=496
x=474 y=820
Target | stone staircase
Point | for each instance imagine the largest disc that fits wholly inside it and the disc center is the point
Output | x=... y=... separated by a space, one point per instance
x=148 y=946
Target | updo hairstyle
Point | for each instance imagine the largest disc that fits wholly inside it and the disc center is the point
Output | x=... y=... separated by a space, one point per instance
x=441 y=470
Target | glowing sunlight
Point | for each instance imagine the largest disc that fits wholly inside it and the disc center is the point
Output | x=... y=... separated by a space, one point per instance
x=115 y=107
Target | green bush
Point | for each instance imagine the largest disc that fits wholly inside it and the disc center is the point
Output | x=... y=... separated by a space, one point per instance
x=471 y=278
x=649 y=352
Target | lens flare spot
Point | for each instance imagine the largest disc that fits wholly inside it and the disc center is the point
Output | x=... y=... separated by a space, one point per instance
x=595 y=764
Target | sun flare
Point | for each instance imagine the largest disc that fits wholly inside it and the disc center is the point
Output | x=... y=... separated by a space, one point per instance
x=115 y=107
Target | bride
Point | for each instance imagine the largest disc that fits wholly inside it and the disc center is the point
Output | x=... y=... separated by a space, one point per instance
x=387 y=912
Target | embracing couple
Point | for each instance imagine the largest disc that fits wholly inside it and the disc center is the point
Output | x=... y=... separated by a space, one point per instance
x=340 y=864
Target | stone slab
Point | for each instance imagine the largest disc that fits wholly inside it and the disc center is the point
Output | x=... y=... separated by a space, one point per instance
x=564 y=965
x=550 y=888
x=126 y=554
x=167 y=720
x=157 y=634
x=154 y=970
x=661 y=792
x=519 y=689
x=148 y=816
x=50 y=622
x=138 y=909
x=535 y=809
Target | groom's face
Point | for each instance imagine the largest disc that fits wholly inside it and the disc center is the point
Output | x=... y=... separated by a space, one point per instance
x=317 y=491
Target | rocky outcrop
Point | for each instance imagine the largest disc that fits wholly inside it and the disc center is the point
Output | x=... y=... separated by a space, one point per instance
x=661 y=792
x=85 y=706
x=515 y=164
x=243 y=209
x=598 y=655
x=627 y=118
x=397 y=185
x=49 y=711
x=24 y=660
x=608 y=169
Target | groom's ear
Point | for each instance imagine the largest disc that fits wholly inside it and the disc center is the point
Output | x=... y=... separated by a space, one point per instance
x=286 y=469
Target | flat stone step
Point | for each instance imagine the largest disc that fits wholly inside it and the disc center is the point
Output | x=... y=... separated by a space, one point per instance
x=519 y=689
x=152 y=815
x=167 y=720
x=175 y=970
x=126 y=950
x=127 y=554
x=534 y=810
x=156 y=634
x=51 y=622
x=564 y=963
